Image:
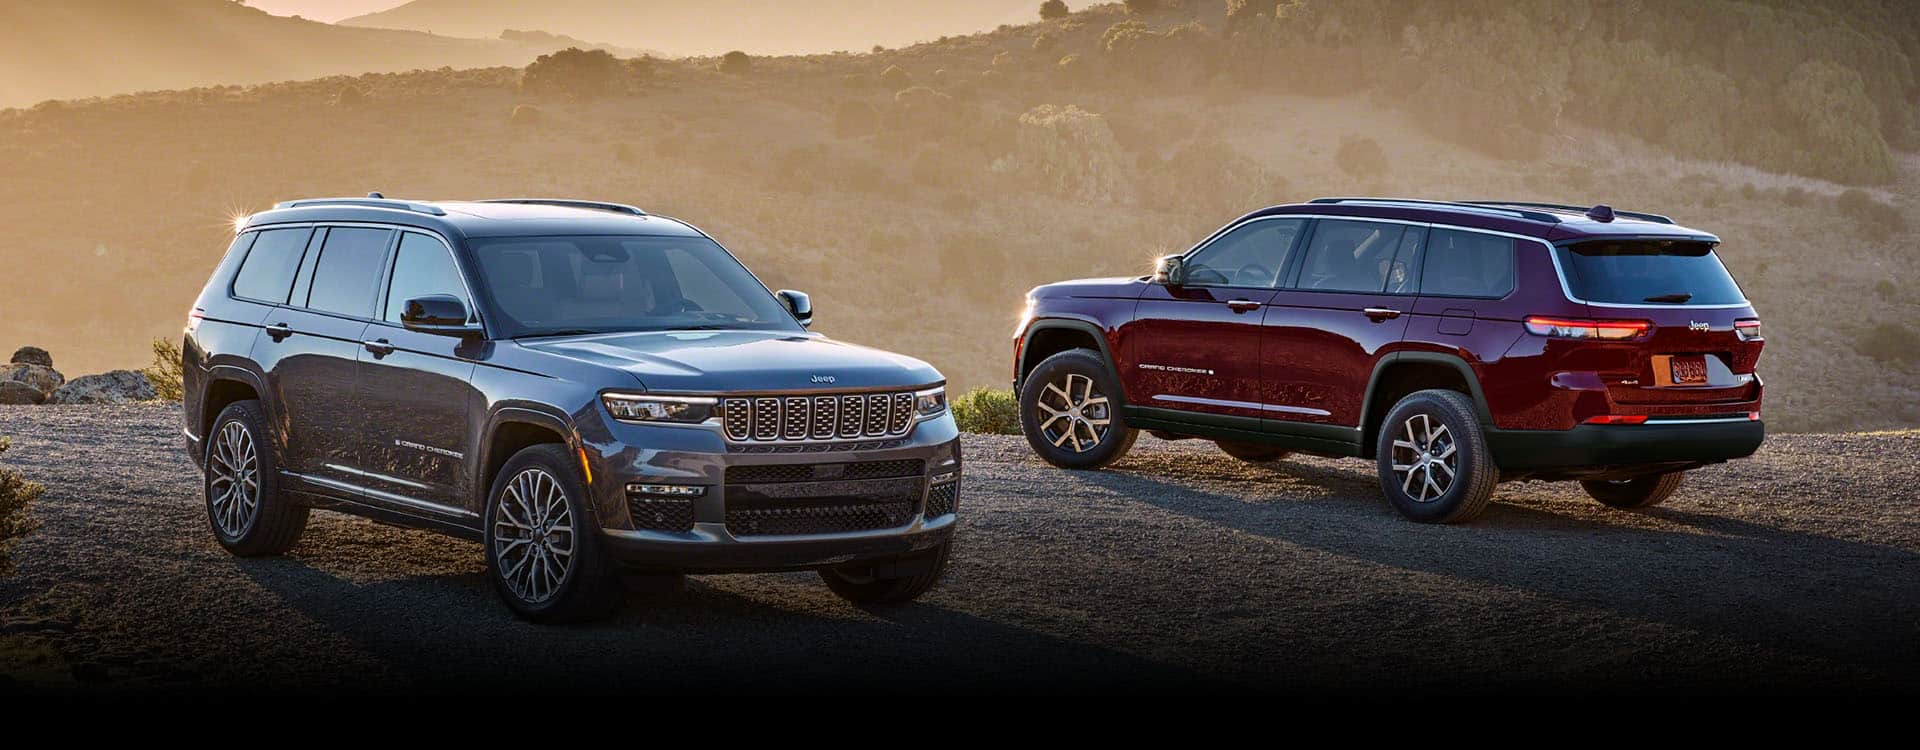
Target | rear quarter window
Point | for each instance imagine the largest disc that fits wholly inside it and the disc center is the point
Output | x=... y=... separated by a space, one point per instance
x=1640 y=272
x=267 y=273
x=1467 y=264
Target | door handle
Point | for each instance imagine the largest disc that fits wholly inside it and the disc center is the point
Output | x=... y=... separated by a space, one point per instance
x=379 y=347
x=1242 y=305
x=1378 y=314
x=279 y=331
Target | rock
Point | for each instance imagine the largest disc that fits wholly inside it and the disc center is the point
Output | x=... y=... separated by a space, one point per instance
x=42 y=378
x=32 y=355
x=14 y=392
x=117 y=387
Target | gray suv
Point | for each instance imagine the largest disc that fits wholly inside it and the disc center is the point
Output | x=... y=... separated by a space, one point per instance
x=590 y=391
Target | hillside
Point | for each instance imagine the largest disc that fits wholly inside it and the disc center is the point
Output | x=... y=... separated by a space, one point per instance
x=81 y=48
x=918 y=192
x=712 y=27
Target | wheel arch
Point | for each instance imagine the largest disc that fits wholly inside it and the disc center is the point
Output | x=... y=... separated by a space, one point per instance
x=511 y=429
x=225 y=385
x=1049 y=336
x=1400 y=373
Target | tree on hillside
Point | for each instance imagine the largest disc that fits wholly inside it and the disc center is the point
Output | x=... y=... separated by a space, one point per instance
x=572 y=72
x=736 y=62
x=1054 y=9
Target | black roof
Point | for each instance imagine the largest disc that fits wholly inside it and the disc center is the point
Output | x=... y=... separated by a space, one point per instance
x=1547 y=221
x=514 y=217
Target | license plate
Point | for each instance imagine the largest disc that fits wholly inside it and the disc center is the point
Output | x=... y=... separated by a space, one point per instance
x=1688 y=370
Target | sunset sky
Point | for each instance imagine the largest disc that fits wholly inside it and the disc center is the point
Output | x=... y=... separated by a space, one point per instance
x=323 y=10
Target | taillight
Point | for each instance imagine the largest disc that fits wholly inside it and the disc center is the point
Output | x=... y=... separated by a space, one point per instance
x=1618 y=419
x=1749 y=329
x=1575 y=328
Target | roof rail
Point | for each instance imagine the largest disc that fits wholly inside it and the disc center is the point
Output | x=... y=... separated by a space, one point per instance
x=1657 y=218
x=620 y=208
x=1521 y=213
x=419 y=208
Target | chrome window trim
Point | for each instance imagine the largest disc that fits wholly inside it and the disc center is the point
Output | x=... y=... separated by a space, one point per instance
x=386 y=284
x=1218 y=234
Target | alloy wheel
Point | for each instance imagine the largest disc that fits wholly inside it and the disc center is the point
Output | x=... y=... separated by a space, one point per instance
x=1073 y=414
x=533 y=538
x=1425 y=455
x=234 y=490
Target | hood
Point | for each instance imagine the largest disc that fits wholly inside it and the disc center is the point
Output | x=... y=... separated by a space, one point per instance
x=1118 y=287
x=741 y=361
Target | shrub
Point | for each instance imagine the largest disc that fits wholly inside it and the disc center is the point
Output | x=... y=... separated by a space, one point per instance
x=736 y=63
x=895 y=79
x=1362 y=159
x=524 y=115
x=1211 y=178
x=853 y=118
x=1875 y=220
x=1890 y=342
x=987 y=411
x=1046 y=42
x=349 y=97
x=1071 y=152
x=165 y=373
x=1886 y=289
x=1143 y=7
x=1054 y=10
x=641 y=68
x=572 y=72
x=16 y=497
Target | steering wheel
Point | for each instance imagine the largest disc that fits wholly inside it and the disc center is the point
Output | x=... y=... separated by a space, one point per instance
x=1254 y=274
x=681 y=305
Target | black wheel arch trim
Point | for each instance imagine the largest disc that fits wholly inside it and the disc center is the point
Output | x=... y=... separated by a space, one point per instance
x=1088 y=327
x=516 y=414
x=1458 y=363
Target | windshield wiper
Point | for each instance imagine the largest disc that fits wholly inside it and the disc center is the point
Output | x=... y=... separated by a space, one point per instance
x=1676 y=298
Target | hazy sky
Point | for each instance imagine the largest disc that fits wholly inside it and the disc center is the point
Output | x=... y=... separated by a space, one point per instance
x=323 y=10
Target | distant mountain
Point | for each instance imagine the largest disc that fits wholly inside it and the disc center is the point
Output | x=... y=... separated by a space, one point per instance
x=78 y=48
x=710 y=27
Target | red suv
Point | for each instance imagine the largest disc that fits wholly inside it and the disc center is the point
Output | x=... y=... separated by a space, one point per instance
x=1457 y=344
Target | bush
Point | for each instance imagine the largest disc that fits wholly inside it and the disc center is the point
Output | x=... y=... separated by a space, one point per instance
x=853 y=118
x=1053 y=10
x=641 y=68
x=895 y=79
x=573 y=72
x=736 y=63
x=1890 y=342
x=1046 y=42
x=524 y=115
x=1143 y=7
x=1875 y=220
x=1362 y=159
x=349 y=97
x=1071 y=152
x=16 y=496
x=988 y=411
x=165 y=373
x=1886 y=289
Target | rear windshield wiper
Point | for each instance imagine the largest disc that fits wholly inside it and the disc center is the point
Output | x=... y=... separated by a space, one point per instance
x=1676 y=298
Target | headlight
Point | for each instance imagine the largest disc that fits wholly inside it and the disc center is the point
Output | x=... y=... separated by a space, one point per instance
x=657 y=409
x=930 y=403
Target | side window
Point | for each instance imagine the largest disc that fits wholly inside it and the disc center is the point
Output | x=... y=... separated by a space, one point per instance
x=347 y=278
x=422 y=266
x=267 y=273
x=1351 y=256
x=1467 y=264
x=1404 y=276
x=1254 y=255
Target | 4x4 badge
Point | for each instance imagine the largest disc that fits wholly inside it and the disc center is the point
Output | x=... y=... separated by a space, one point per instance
x=823 y=378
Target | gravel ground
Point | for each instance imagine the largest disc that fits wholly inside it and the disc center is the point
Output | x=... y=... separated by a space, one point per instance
x=1180 y=569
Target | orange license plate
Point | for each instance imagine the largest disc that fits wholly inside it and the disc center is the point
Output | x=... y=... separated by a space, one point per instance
x=1688 y=370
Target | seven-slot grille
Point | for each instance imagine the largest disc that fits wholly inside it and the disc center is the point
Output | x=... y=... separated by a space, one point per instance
x=787 y=419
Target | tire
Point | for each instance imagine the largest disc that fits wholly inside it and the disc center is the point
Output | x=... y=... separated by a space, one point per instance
x=1446 y=430
x=1253 y=453
x=1056 y=392
x=527 y=530
x=246 y=510
x=859 y=586
x=1632 y=494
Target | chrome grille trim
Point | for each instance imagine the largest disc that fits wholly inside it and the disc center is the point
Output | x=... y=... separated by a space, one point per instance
x=825 y=418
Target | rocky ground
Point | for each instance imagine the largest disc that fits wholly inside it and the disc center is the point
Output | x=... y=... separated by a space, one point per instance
x=1180 y=569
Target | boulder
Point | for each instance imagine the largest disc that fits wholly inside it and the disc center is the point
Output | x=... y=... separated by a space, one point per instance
x=32 y=355
x=15 y=392
x=117 y=387
x=41 y=378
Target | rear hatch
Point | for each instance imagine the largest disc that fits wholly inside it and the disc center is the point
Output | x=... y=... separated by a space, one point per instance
x=1703 y=338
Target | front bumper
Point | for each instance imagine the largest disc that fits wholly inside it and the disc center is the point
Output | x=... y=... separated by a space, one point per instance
x=1659 y=442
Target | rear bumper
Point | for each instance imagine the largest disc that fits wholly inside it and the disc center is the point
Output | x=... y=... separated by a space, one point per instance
x=1672 y=442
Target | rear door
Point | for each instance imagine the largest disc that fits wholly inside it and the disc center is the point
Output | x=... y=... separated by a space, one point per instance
x=1345 y=306
x=1196 y=347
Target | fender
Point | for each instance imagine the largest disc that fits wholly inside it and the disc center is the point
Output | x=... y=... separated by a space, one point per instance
x=1454 y=361
x=501 y=415
x=236 y=373
x=1082 y=325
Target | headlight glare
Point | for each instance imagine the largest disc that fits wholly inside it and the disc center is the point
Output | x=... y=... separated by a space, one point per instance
x=658 y=409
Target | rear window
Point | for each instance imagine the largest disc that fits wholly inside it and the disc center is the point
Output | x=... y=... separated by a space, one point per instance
x=267 y=273
x=1640 y=272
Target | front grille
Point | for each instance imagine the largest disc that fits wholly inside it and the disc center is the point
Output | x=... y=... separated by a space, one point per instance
x=823 y=515
x=911 y=467
x=943 y=499
x=790 y=419
x=661 y=514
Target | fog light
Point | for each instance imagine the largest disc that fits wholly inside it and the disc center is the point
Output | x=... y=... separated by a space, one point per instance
x=667 y=490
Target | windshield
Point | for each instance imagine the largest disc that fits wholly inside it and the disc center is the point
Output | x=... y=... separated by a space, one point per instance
x=1648 y=272
x=553 y=286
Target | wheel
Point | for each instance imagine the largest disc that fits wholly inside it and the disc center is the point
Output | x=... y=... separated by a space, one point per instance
x=1433 y=458
x=1252 y=452
x=861 y=585
x=544 y=554
x=1640 y=492
x=1068 y=415
x=245 y=508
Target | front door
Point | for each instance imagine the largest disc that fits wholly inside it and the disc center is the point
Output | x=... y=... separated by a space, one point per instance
x=1348 y=303
x=1196 y=347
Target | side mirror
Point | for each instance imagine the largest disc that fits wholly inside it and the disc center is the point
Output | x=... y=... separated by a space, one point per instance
x=799 y=304
x=1171 y=271
x=440 y=314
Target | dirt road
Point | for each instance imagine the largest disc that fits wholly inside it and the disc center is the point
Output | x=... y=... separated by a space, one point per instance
x=1180 y=569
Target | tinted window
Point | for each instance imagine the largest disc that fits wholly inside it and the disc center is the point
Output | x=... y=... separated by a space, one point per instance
x=1252 y=255
x=422 y=267
x=347 y=278
x=565 y=285
x=267 y=273
x=1351 y=256
x=1404 y=276
x=1467 y=264
x=1636 y=272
